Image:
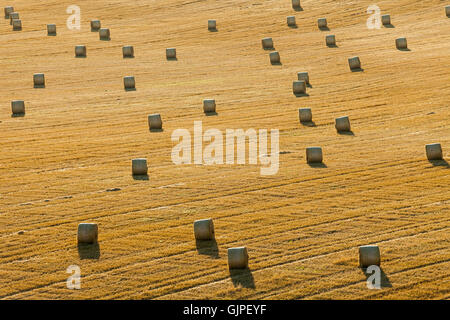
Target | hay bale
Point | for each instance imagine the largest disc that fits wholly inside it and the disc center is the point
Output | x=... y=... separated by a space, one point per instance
x=171 y=53
x=95 y=25
x=314 y=155
x=13 y=16
x=386 y=19
x=80 y=51
x=434 y=151
x=139 y=166
x=369 y=255
x=322 y=23
x=401 y=43
x=18 y=107
x=274 y=57
x=104 y=34
x=154 y=121
x=212 y=25
x=342 y=124
x=303 y=76
x=87 y=233
x=305 y=114
x=204 y=229
x=39 y=80
x=299 y=87
x=354 y=63
x=17 y=24
x=267 y=43
x=291 y=21
x=295 y=4
x=128 y=51
x=447 y=11
x=330 y=40
x=8 y=10
x=209 y=105
x=129 y=82
x=51 y=29
x=237 y=258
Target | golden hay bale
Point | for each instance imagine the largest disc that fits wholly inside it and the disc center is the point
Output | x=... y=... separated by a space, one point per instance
x=369 y=255
x=171 y=53
x=342 y=124
x=237 y=258
x=212 y=25
x=95 y=25
x=129 y=82
x=401 y=43
x=139 y=166
x=8 y=11
x=104 y=34
x=80 y=51
x=267 y=43
x=87 y=233
x=299 y=87
x=305 y=114
x=386 y=19
x=51 y=29
x=434 y=151
x=314 y=155
x=354 y=63
x=18 y=106
x=209 y=105
x=128 y=51
x=154 y=121
x=39 y=80
x=274 y=57
x=204 y=229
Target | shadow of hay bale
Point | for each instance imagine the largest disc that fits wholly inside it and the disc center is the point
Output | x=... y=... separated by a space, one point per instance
x=89 y=251
x=242 y=278
x=208 y=247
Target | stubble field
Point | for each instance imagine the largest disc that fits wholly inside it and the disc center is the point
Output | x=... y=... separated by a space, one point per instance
x=68 y=160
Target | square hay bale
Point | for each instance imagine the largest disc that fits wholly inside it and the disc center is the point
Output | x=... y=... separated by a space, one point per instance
x=291 y=21
x=369 y=256
x=13 y=16
x=51 y=29
x=209 y=105
x=237 y=258
x=354 y=63
x=87 y=233
x=39 y=80
x=128 y=51
x=295 y=4
x=105 y=34
x=129 y=82
x=17 y=24
x=204 y=229
x=18 y=107
x=314 y=155
x=434 y=151
x=303 y=76
x=386 y=19
x=139 y=167
x=267 y=43
x=274 y=57
x=342 y=124
x=212 y=25
x=80 y=51
x=96 y=25
x=8 y=10
x=299 y=87
x=171 y=53
x=330 y=40
x=154 y=121
x=322 y=23
x=401 y=43
x=305 y=114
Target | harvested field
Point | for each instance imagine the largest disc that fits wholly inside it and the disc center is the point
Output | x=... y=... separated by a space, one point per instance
x=68 y=159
